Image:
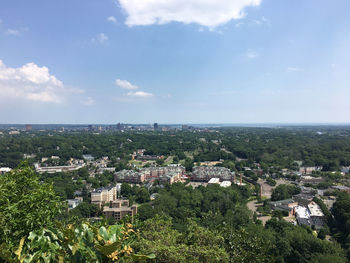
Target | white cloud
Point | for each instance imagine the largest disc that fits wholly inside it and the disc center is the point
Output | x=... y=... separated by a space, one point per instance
x=139 y=94
x=262 y=21
x=30 y=82
x=13 y=32
x=112 y=19
x=252 y=54
x=293 y=69
x=209 y=13
x=89 y=101
x=16 y=32
x=100 y=38
x=124 y=84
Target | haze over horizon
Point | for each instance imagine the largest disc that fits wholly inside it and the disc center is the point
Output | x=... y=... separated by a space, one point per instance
x=193 y=61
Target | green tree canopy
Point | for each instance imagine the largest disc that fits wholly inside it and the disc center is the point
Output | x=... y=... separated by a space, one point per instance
x=26 y=204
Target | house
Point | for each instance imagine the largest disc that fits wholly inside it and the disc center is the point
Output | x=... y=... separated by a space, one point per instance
x=4 y=170
x=311 y=180
x=73 y=203
x=88 y=157
x=303 y=199
x=341 y=188
x=284 y=205
x=309 y=170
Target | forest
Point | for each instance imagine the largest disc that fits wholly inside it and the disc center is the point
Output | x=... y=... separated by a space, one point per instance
x=324 y=146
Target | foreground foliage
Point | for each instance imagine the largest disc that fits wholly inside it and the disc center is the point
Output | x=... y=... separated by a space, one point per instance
x=76 y=243
x=26 y=204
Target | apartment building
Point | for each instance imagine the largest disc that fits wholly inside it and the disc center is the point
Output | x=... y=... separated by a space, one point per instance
x=118 y=209
x=205 y=173
x=169 y=174
x=102 y=196
x=129 y=176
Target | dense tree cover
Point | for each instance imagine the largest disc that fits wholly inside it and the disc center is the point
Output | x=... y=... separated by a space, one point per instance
x=26 y=204
x=196 y=244
x=298 y=244
x=181 y=202
x=221 y=211
x=341 y=213
x=86 y=210
x=284 y=191
x=270 y=146
x=135 y=193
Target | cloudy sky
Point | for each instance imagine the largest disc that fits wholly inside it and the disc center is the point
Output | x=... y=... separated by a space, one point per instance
x=174 y=61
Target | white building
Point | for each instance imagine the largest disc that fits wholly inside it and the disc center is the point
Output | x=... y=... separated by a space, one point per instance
x=225 y=184
x=4 y=170
x=73 y=203
x=214 y=181
x=302 y=215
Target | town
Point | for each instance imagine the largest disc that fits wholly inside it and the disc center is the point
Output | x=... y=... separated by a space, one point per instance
x=150 y=171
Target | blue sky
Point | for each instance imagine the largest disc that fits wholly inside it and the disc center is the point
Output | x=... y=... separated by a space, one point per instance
x=175 y=61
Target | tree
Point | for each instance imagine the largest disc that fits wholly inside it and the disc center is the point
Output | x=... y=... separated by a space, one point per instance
x=145 y=211
x=26 y=204
x=176 y=159
x=250 y=244
x=86 y=210
x=125 y=190
x=284 y=191
x=142 y=195
x=196 y=244
x=188 y=164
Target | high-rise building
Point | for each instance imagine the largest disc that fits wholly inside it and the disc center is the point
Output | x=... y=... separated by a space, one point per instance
x=155 y=126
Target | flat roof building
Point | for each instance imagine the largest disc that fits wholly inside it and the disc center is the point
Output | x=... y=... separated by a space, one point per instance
x=214 y=181
x=118 y=209
x=205 y=173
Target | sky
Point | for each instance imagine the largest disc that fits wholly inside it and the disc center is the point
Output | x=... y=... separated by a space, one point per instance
x=174 y=61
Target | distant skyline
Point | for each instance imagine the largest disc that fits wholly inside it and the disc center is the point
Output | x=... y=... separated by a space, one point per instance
x=175 y=61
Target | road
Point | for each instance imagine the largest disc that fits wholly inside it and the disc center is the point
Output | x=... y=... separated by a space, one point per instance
x=253 y=206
